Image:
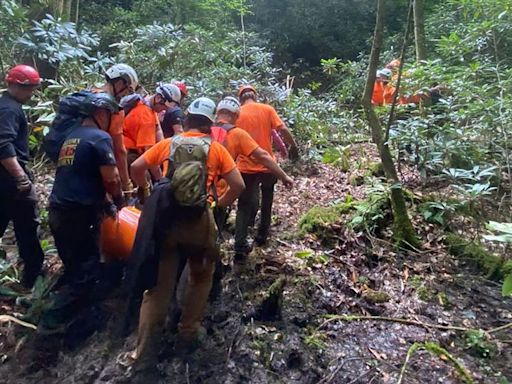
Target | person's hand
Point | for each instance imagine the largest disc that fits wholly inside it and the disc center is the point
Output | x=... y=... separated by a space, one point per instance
x=143 y=193
x=288 y=182
x=293 y=154
x=119 y=202
x=23 y=184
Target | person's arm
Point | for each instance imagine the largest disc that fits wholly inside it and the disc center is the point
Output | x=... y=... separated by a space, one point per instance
x=262 y=157
x=278 y=142
x=288 y=139
x=12 y=166
x=138 y=171
x=159 y=133
x=8 y=130
x=120 y=155
x=111 y=180
x=236 y=186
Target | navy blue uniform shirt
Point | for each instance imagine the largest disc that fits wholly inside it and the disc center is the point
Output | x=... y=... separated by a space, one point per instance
x=78 y=180
x=173 y=116
x=13 y=138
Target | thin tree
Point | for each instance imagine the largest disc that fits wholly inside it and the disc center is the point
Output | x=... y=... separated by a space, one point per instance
x=403 y=230
x=419 y=30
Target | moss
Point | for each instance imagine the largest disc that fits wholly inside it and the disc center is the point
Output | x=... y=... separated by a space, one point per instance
x=506 y=268
x=375 y=169
x=376 y=297
x=320 y=220
x=443 y=300
x=493 y=266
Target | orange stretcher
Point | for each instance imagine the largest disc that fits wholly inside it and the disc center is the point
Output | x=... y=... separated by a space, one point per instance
x=118 y=235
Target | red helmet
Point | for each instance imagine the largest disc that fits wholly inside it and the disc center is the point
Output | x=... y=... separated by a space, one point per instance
x=245 y=88
x=23 y=75
x=183 y=87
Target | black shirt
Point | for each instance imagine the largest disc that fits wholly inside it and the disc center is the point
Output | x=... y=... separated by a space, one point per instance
x=173 y=116
x=78 y=180
x=13 y=138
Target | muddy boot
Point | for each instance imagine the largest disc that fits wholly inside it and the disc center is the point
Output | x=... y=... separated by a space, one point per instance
x=216 y=290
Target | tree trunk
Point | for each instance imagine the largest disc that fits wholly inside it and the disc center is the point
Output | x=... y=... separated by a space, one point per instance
x=419 y=30
x=403 y=230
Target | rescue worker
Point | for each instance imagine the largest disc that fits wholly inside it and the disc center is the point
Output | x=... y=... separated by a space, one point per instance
x=120 y=80
x=86 y=172
x=172 y=122
x=193 y=237
x=258 y=120
x=239 y=143
x=380 y=88
x=141 y=129
x=18 y=200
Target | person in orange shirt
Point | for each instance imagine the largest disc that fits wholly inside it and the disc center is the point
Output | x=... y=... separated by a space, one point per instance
x=381 y=86
x=239 y=143
x=194 y=237
x=141 y=129
x=258 y=120
x=120 y=80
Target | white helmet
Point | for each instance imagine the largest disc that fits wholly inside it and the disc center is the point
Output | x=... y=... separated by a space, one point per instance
x=230 y=104
x=202 y=106
x=169 y=92
x=385 y=72
x=125 y=72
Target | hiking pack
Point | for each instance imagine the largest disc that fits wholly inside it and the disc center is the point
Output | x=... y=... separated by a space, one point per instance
x=220 y=132
x=188 y=171
x=70 y=114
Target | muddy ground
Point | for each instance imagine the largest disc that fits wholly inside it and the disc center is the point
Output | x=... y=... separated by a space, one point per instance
x=356 y=275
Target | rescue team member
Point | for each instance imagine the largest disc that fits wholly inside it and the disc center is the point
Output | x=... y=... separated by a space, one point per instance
x=239 y=143
x=258 y=120
x=86 y=171
x=141 y=129
x=193 y=237
x=172 y=122
x=18 y=200
x=381 y=83
x=121 y=80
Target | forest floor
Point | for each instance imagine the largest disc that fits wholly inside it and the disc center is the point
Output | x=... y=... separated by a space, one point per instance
x=356 y=275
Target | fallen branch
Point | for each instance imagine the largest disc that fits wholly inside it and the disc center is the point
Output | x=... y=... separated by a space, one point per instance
x=437 y=350
x=409 y=322
x=8 y=318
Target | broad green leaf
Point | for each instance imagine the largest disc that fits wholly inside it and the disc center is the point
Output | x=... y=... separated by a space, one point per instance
x=506 y=290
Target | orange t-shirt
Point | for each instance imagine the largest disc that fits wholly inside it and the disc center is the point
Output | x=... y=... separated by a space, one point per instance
x=219 y=160
x=237 y=142
x=140 y=127
x=258 y=120
x=378 y=93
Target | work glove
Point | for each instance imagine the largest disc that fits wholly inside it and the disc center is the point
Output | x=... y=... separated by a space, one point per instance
x=23 y=185
x=293 y=154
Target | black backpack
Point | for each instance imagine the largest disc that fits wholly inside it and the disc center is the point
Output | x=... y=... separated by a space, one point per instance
x=70 y=114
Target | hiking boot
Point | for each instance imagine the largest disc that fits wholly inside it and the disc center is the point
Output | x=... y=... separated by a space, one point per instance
x=29 y=278
x=260 y=240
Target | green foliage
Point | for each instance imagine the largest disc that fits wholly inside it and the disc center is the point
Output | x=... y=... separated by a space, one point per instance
x=55 y=41
x=371 y=212
x=311 y=258
x=504 y=232
x=321 y=221
x=477 y=342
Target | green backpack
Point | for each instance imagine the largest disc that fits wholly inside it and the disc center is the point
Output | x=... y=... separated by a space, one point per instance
x=188 y=170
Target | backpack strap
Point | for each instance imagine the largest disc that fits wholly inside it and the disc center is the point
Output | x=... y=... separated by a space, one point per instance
x=226 y=126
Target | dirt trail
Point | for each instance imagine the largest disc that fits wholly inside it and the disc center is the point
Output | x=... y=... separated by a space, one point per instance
x=427 y=286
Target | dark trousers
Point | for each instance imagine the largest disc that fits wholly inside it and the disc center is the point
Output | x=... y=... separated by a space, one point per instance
x=77 y=233
x=23 y=212
x=248 y=204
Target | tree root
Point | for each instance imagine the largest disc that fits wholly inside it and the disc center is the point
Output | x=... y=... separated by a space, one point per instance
x=438 y=351
x=8 y=318
x=408 y=322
